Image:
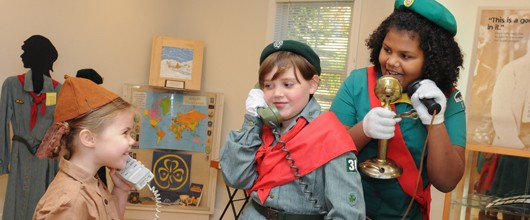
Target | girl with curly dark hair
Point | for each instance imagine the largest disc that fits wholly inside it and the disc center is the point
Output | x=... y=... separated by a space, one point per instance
x=416 y=46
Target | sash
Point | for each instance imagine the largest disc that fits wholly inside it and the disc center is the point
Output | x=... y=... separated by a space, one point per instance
x=310 y=146
x=36 y=101
x=400 y=154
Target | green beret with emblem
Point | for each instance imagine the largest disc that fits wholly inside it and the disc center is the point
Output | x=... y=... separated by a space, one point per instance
x=432 y=11
x=292 y=46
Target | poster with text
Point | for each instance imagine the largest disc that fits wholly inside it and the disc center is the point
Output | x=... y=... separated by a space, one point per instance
x=499 y=108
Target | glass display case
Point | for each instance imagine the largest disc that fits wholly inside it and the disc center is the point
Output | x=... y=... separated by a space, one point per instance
x=495 y=185
x=178 y=135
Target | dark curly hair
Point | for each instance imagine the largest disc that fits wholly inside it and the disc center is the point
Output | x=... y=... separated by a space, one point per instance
x=443 y=58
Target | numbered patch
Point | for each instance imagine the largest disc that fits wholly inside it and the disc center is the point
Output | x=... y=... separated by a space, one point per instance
x=351 y=165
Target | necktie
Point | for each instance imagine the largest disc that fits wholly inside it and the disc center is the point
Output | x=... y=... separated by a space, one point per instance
x=37 y=100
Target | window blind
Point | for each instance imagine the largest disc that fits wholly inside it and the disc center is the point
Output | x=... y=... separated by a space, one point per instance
x=326 y=27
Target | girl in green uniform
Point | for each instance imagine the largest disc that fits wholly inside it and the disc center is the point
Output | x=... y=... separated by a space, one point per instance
x=416 y=42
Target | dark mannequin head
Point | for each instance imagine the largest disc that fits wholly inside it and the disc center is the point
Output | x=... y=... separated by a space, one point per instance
x=39 y=54
x=90 y=74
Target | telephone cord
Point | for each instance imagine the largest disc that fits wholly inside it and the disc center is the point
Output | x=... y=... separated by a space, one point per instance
x=420 y=168
x=156 y=195
x=305 y=186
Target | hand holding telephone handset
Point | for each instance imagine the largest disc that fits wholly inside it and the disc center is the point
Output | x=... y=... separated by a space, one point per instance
x=138 y=175
x=256 y=106
x=427 y=98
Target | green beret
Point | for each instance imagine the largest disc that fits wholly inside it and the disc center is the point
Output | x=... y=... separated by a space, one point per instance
x=432 y=11
x=292 y=46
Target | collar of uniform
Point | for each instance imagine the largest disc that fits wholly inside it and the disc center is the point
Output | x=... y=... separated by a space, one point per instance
x=28 y=83
x=76 y=172
x=310 y=112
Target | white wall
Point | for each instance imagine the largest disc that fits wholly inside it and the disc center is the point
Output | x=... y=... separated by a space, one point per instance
x=114 y=37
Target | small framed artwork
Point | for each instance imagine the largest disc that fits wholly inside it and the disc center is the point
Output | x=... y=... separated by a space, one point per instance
x=176 y=63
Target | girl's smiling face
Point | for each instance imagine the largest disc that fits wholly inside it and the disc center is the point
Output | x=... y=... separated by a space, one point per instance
x=401 y=56
x=115 y=141
x=289 y=94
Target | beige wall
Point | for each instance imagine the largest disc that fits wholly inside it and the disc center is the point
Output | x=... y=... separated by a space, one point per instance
x=114 y=37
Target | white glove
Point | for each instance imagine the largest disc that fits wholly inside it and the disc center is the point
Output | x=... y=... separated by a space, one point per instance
x=429 y=90
x=255 y=99
x=380 y=123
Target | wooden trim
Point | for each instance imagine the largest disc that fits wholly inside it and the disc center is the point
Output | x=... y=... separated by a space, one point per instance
x=499 y=150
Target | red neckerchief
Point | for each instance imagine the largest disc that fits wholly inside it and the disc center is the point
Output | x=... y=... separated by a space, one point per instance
x=401 y=155
x=311 y=146
x=36 y=100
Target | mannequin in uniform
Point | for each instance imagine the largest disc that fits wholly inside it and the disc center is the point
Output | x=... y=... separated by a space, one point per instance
x=27 y=105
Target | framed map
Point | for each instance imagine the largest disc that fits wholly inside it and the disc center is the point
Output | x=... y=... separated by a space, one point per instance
x=174 y=119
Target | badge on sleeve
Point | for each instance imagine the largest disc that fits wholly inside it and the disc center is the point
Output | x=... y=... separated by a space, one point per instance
x=459 y=99
x=352 y=198
x=351 y=165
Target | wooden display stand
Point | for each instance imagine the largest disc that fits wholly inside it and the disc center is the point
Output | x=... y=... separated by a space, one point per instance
x=463 y=202
x=201 y=171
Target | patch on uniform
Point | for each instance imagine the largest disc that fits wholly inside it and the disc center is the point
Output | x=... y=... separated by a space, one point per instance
x=459 y=99
x=19 y=101
x=352 y=198
x=351 y=165
x=408 y=3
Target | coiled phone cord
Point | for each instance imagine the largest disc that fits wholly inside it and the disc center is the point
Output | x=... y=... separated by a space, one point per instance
x=305 y=186
x=156 y=194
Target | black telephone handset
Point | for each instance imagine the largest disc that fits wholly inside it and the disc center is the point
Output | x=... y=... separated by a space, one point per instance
x=430 y=103
x=270 y=116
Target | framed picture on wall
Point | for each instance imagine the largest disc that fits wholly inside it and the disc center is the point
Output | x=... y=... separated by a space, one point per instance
x=176 y=63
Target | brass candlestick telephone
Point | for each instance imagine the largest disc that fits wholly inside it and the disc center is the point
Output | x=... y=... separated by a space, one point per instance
x=388 y=90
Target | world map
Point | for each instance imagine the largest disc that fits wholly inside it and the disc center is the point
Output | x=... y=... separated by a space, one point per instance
x=174 y=121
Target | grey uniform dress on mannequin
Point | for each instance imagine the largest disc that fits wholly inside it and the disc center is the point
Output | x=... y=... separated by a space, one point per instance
x=27 y=105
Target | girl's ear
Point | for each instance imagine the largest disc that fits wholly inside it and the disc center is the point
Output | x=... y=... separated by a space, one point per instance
x=313 y=83
x=87 y=138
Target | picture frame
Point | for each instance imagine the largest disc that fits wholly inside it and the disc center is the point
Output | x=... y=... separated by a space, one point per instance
x=176 y=63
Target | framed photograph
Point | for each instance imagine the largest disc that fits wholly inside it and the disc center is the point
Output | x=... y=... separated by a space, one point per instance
x=176 y=63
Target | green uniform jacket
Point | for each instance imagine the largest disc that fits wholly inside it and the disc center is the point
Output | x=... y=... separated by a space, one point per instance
x=384 y=198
